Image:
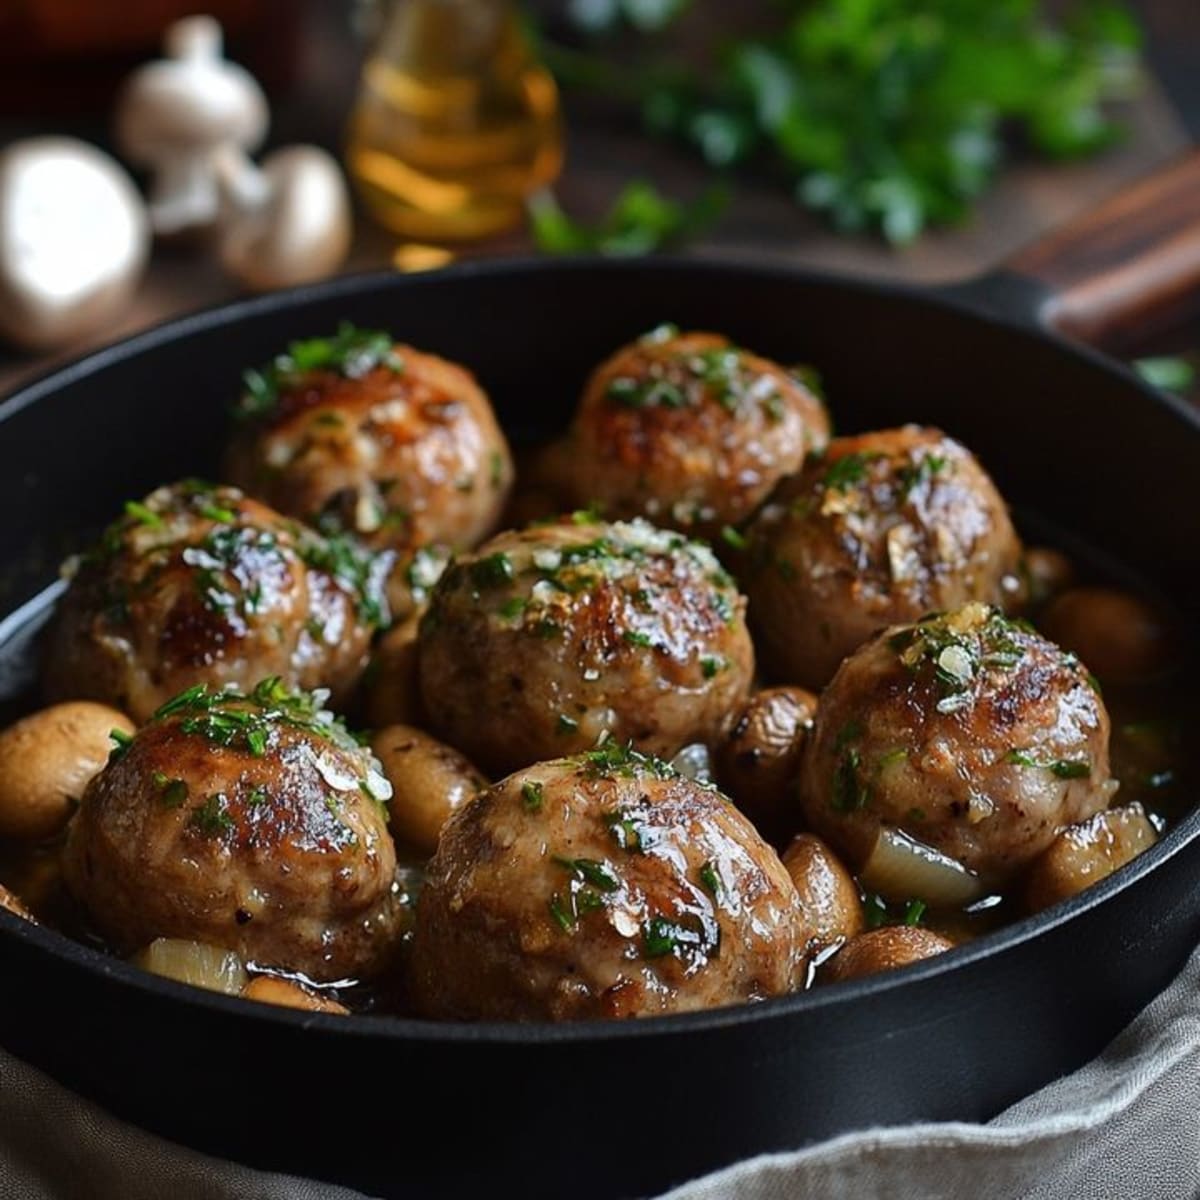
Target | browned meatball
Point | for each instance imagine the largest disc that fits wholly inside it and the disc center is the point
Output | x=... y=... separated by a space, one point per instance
x=602 y=886
x=397 y=446
x=201 y=584
x=545 y=640
x=883 y=529
x=254 y=823
x=969 y=732
x=688 y=430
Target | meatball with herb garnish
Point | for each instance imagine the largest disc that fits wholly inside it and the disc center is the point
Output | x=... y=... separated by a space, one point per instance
x=398 y=447
x=201 y=584
x=966 y=740
x=546 y=640
x=604 y=885
x=882 y=529
x=688 y=430
x=252 y=822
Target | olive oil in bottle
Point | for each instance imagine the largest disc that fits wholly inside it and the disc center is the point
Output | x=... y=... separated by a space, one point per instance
x=456 y=122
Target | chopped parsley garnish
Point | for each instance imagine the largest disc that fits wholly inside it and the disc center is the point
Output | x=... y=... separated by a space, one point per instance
x=211 y=818
x=614 y=760
x=847 y=472
x=351 y=352
x=710 y=666
x=592 y=871
x=710 y=879
x=960 y=646
x=563 y=915
x=849 y=791
x=913 y=475
x=493 y=571
x=532 y=795
x=1063 y=768
x=635 y=637
x=734 y=537
x=172 y=793
x=121 y=743
x=513 y=607
x=661 y=936
x=877 y=912
x=625 y=831
x=235 y=719
x=139 y=511
x=361 y=571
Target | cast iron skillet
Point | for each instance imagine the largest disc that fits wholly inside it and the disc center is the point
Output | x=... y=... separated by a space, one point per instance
x=625 y=1109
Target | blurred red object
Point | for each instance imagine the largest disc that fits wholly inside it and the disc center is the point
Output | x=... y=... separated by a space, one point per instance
x=69 y=56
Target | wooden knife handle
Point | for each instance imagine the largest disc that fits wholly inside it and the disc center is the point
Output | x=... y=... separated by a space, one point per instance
x=1125 y=262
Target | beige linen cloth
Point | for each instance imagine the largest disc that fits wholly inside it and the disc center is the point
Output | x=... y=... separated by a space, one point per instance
x=1125 y=1127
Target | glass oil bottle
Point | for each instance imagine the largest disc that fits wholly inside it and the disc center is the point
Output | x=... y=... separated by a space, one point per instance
x=456 y=122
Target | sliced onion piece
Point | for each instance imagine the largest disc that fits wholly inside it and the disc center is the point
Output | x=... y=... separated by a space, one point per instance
x=901 y=868
x=200 y=965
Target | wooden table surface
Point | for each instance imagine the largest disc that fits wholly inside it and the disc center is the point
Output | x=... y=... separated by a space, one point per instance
x=761 y=223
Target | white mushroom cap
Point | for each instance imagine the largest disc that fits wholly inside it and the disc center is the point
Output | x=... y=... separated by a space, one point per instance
x=73 y=241
x=287 y=223
x=190 y=101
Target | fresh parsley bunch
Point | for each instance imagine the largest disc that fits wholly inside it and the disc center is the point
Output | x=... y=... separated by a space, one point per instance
x=894 y=114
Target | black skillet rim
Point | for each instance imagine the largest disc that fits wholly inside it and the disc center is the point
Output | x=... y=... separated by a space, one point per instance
x=971 y=302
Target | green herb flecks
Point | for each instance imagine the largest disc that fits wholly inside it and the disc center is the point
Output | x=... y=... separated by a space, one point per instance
x=246 y=720
x=641 y=220
x=735 y=538
x=351 y=352
x=691 y=936
x=1062 y=768
x=850 y=791
x=849 y=471
x=532 y=795
x=121 y=743
x=1171 y=373
x=615 y=761
x=592 y=871
x=361 y=571
x=172 y=793
x=711 y=880
x=212 y=818
x=912 y=475
x=959 y=647
x=491 y=572
x=140 y=513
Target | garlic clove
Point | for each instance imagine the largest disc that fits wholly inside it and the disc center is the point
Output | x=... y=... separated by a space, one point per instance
x=73 y=241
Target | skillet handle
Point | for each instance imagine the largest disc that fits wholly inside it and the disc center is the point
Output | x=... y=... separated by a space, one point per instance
x=1124 y=262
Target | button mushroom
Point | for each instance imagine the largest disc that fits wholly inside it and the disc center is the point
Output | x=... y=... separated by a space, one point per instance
x=172 y=115
x=73 y=240
x=284 y=223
